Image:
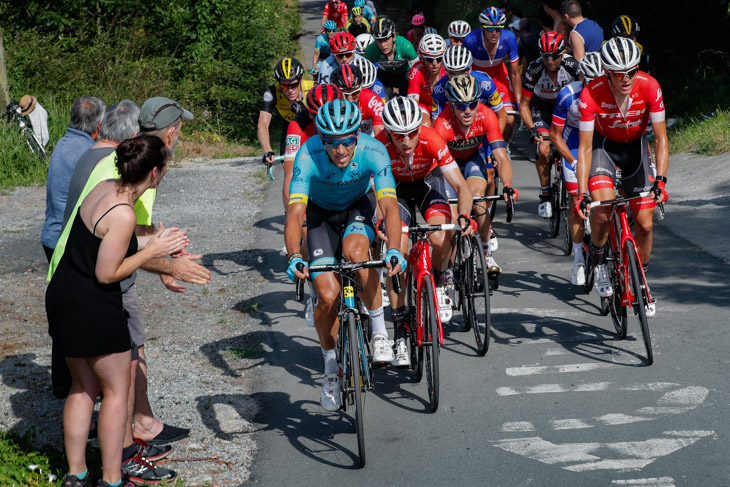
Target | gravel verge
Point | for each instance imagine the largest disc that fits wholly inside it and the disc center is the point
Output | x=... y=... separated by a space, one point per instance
x=201 y=351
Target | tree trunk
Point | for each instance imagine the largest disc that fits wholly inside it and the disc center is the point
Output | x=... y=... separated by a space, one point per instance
x=4 y=92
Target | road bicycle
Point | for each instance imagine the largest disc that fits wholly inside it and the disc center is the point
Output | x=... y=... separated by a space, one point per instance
x=13 y=115
x=630 y=289
x=353 y=346
x=560 y=202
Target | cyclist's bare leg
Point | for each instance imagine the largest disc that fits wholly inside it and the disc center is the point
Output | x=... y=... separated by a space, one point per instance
x=441 y=243
x=478 y=186
x=575 y=222
x=600 y=217
x=288 y=169
x=543 y=169
x=643 y=224
x=325 y=314
x=509 y=128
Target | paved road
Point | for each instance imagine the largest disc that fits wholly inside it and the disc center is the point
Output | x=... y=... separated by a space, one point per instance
x=558 y=399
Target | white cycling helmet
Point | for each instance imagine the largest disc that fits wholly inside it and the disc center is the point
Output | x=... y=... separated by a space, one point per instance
x=362 y=42
x=430 y=30
x=457 y=58
x=459 y=28
x=432 y=45
x=402 y=115
x=620 y=54
x=368 y=70
x=591 y=66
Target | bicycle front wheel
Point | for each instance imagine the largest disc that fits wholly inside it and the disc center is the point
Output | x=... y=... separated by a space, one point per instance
x=617 y=310
x=565 y=219
x=555 y=202
x=430 y=349
x=416 y=352
x=479 y=307
x=356 y=385
x=638 y=288
x=462 y=263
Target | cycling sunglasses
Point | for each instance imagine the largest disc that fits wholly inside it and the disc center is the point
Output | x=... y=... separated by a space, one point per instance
x=433 y=60
x=335 y=143
x=401 y=137
x=290 y=86
x=463 y=106
x=621 y=75
x=350 y=95
x=554 y=56
x=457 y=73
x=493 y=28
x=344 y=54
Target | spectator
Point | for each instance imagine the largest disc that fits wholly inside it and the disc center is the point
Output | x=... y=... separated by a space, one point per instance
x=86 y=115
x=513 y=21
x=560 y=25
x=337 y=11
x=587 y=35
x=38 y=117
x=527 y=44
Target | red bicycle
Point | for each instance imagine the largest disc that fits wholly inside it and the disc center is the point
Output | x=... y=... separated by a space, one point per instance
x=625 y=270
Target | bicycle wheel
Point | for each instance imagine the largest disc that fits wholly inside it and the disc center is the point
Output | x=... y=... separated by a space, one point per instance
x=617 y=310
x=430 y=349
x=461 y=276
x=638 y=288
x=589 y=268
x=415 y=351
x=555 y=202
x=356 y=383
x=565 y=219
x=479 y=307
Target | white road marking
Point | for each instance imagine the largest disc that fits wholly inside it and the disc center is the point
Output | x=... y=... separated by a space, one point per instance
x=518 y=426
x=557 y=369
x=551 y=388
x=648 y=482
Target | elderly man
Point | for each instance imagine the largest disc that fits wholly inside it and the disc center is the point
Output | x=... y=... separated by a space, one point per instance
x=86 y=115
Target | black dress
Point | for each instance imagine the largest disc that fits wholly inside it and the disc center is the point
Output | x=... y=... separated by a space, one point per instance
x=86 y=318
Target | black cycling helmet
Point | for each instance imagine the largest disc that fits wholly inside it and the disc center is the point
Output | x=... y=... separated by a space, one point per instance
x=288 y=69
x=384 y=28
x=625 y=26
x=347 y=77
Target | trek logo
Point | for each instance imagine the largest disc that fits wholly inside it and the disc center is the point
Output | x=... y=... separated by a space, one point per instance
x=629 y=114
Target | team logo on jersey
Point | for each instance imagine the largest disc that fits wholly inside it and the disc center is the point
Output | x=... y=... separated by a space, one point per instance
x=353 y=165
x=268 y=97
x=658 y=94
x=607 y=105
x=297 y=172
x=442 y=153
x=318 y=252
x=486 y=85
x=438 y=89
x=582 y=104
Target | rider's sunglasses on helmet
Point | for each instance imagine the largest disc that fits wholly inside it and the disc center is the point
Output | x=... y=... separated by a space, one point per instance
x=621 y=75
x=463 y=106
x=552 y=56
x=289 y=86
x=433 y=60
x=493 y=28
x=335 y=143
x=341 y=55
x=401 y=137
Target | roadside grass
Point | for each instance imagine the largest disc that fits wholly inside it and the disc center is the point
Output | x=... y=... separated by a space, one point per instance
x=710 y=136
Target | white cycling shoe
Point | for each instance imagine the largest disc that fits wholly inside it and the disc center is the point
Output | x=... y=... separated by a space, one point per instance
x=330 y=398
x=382 y=349
x=402 y=356
x=492 y=266
x=545 y=209
x=493 y=242
x=603 y=283
x=650 y=309
x=578 y=276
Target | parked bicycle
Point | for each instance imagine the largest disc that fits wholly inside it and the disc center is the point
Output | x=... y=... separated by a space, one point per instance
x=13 y=115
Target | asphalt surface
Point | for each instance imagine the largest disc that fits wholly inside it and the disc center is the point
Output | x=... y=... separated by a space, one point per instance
x=558 y=399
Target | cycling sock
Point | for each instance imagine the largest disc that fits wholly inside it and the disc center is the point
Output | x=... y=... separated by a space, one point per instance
x=399 y=315
x=82 y=475
x=645 y=266
x=330 y=362
x=116 y=484
x=599 y=255
x=449 y=273
x=311 y=289
x=544 y=192
x=438 y=277
x=129 y=452
x=377 y=319
x=578 y=252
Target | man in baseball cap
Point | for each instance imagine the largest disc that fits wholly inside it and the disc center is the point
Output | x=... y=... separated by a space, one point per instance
x=159 y=112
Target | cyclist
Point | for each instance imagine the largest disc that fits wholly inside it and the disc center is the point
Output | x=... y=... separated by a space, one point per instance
x=368 y=10
x=458 y=30
x=322 y=44
x=369 y=78
x=362 y=41
x=564 y=136
x=626 y=26
x=418 y=26
x=465 y=124
x=424 y=75
x=357 y=24
x=393 y=54
x=342 y=46
x=544 y=77
x=614 y=113
x=489 y=47
x=331 y=187
x=286 y=97
x=421 y=165
x=336 y=11
x=348 y=78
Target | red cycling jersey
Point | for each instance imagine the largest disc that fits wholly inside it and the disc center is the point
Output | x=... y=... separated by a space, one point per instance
x=299 y=130
x=419 y=83
x=463 y=146
x=598 y=105
x=371 y=106
x=338 y=14
x=430 y=152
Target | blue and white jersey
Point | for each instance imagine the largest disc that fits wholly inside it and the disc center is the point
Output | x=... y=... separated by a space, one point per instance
x=379 y=90
x=490 y=95
x=506 y=47
x=315 y=178
x=327 y=67
x=566 y=113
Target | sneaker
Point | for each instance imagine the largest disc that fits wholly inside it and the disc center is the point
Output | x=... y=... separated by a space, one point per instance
x=545 y=209
x=125 y=482
x=603 y=283
x=152 y=453
x=382 y=349
x=492 y=267
x=578 y=276
x=444 y=304
x=402 y=355
x=141 y=471
x=73 y=481
x=309 y=311
x=493 y=243
x=330 y=398
x=650 y=309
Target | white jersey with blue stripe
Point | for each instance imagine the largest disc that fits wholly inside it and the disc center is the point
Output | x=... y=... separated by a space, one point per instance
x=567 y=111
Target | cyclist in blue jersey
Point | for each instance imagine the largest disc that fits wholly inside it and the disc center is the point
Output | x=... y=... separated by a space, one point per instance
x=331 y=186
x=322 y=43
x=564 y=136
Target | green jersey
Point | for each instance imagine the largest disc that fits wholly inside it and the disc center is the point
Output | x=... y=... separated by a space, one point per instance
x=405 y=56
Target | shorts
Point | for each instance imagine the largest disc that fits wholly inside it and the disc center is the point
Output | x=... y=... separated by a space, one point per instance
x=130 y=302
x=634 y=160
x=503 y=83
x=327 y=228
x=474 y=167
x=542 y=114
x=428 y=194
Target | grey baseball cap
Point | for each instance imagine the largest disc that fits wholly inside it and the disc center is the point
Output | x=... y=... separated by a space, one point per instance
x=160 y=112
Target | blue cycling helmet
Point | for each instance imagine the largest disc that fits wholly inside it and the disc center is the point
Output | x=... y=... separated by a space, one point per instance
x=359 y=3
x=492 y=16
x=338 y=117
x=330 y=25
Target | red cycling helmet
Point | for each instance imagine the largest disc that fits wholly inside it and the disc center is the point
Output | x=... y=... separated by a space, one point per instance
x=342 y=42
x=347 y=77
x=551 y=43
x=318 y=95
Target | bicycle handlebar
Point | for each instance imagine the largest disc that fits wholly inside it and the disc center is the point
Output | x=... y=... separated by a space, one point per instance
x=494 y=197
x=425 y=227
x=619 y=200
x=347 y=266
x=270 y=167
